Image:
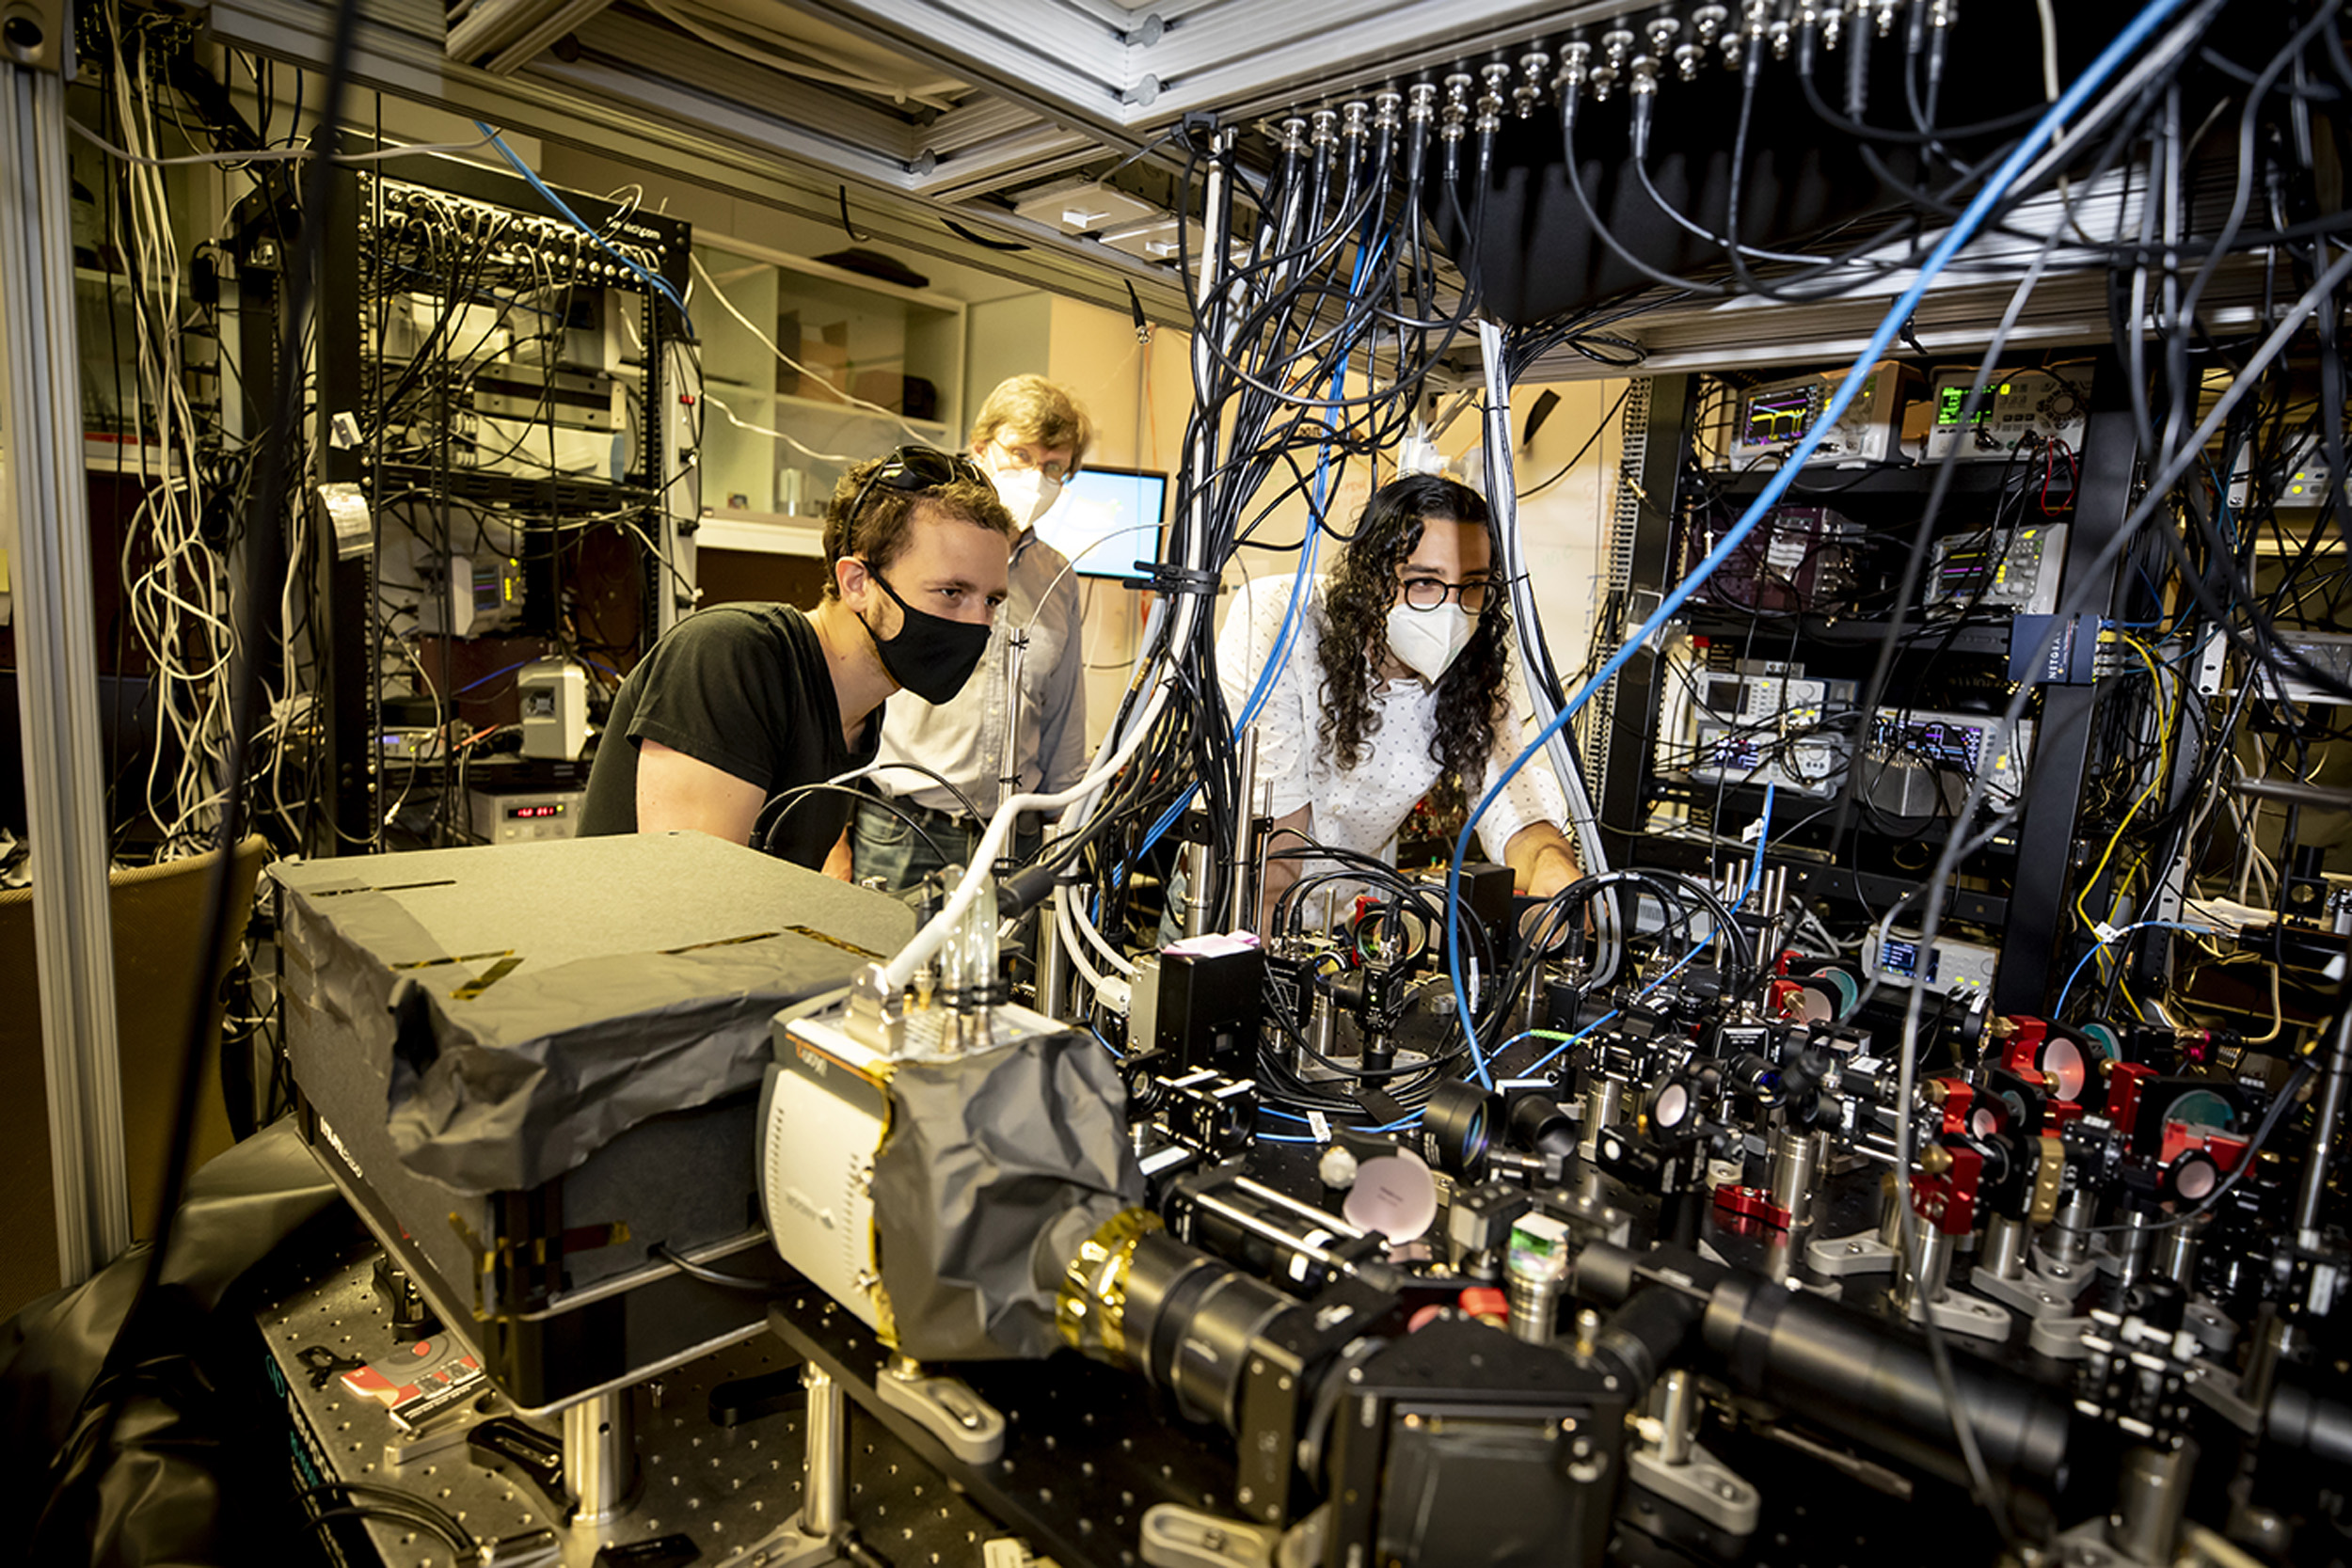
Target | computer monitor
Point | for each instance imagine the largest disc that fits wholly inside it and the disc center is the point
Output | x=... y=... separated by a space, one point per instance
x=1107 y=519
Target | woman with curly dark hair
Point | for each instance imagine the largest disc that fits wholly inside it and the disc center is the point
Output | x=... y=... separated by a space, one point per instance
x=1397 y=688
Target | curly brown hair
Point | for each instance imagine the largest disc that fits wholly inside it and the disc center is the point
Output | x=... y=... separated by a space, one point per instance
x=1355 y=638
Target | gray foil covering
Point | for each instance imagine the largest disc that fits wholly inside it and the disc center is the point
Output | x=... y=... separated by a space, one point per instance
x=526 y=1004
x=996 y=1167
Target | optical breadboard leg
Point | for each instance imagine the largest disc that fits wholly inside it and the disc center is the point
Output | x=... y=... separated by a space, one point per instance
x=601 y=1454
x=721 y=1487
x=810 y=1535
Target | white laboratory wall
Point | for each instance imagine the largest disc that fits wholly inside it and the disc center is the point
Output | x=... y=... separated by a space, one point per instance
x=1565 y=521
x=1139 y=395
x=1564 y=512
x=1004 y=337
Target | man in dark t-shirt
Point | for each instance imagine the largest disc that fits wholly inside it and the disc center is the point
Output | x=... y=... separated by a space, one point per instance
x=740 y=705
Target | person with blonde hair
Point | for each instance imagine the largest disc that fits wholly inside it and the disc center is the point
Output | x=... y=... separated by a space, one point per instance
x=1029 y=436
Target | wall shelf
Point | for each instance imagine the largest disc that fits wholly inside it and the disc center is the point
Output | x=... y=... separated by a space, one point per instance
x=762 y=533
x=890 y=347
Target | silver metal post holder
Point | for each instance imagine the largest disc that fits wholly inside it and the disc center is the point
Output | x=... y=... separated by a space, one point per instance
x=2002 y=1274
x=1928 y=1297
x=1677 y=1467
x=1200 y=860
x=1796 y=1160
x=1009 y=782
x=600 y=1455
x=44 y=516
x=1869 y=1251
x=1242 y=912
x=808 y=1536
x=1053 y=964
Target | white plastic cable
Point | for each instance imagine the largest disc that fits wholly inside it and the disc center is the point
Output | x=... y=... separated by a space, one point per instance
x=1124 y=742
x=1502 y=500
x=1070 y=944
x=1093 y=934
x=901 y=967
x=176 y=585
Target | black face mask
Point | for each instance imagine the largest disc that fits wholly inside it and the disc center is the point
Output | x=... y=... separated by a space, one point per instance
x=931 y=656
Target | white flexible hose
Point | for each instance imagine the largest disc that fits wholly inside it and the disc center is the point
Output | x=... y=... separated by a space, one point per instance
x=1079 y=921
x=1502 y=499
x=1070 y=944
x=901 y=967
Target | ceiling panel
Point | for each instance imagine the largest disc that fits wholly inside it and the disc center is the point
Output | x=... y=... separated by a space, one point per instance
x=953 y=131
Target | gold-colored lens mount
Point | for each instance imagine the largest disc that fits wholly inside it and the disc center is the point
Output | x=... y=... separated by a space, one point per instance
x=1091 y=1307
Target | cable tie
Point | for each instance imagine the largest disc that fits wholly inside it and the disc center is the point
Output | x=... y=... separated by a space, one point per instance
x=1167 y=579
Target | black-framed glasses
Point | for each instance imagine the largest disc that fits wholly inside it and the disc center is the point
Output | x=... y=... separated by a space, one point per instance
x=1429 y=592
x=914 y=469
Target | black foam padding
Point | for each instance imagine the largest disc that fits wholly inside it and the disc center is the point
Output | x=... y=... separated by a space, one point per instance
x=1531 y=252
x=747 y=1398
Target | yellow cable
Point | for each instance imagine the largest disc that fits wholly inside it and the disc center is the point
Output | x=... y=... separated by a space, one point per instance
x=2278 y=1013
x=2164 y=769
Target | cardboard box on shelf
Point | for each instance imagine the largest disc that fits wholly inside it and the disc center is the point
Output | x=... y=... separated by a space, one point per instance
x=885 y=387
x=823 y=351
x=825 y=356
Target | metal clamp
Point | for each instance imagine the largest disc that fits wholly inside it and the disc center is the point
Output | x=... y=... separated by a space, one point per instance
x=1839 y=1256
x=1702 y=1484
x=1957 y=1314
x=973 y=1429
x=38 y=35
x=1175 y=1536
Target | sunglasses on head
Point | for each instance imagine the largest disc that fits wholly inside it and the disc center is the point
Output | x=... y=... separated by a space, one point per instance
x=913 y=470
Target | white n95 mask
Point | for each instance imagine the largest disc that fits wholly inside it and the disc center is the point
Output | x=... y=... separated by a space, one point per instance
x=1429 y=641
x=1028 y=494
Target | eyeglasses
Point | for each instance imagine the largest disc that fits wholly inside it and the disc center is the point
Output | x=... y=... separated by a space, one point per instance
x=1026 y=455
x=1429 y=592
x=912 y=471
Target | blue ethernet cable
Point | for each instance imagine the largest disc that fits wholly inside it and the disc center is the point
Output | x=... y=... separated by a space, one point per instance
x=2122 y=48
x=660 y=285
